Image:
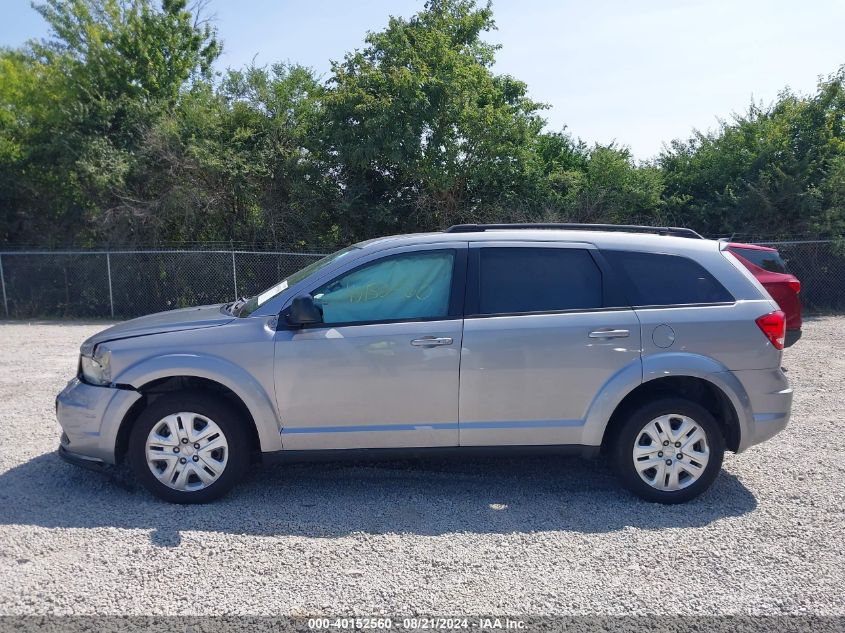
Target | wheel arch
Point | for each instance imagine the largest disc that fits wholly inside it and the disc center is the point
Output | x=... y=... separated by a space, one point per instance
x=697 y=377
x=694 y=388
x=187 y=384
x=198 y=373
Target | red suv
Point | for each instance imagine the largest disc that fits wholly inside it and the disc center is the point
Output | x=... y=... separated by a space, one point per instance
x=769 y=268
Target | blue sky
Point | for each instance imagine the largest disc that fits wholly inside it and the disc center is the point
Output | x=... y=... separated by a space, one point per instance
x=640 y=73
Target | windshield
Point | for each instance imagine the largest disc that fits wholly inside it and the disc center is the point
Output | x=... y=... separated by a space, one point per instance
x=255 y=302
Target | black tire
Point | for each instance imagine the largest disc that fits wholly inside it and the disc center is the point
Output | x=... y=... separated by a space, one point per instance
x=629 y=432
x=214 y=408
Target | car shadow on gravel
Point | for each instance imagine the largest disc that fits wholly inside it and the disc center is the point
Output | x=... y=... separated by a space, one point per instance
x=426 y=497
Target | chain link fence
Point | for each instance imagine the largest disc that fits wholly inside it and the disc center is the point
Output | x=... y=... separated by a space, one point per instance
x=123 y=284
x=820 y=267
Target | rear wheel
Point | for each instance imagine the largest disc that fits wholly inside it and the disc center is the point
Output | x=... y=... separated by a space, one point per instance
x=188 y=448
x=669 y=451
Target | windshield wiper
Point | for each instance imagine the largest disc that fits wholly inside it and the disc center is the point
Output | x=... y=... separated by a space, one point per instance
x=232 y=308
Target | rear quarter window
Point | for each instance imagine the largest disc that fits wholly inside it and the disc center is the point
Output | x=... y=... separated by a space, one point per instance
x=656 y=279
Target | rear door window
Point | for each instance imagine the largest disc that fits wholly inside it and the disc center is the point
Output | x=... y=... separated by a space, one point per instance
x=519 y=280
x=656 y=279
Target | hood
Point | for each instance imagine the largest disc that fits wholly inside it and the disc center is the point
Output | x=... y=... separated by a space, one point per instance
x=170 y=321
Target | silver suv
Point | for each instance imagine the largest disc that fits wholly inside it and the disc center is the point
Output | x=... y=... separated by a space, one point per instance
x=651 y=347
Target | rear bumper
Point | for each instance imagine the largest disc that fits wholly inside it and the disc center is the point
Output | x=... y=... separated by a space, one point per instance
x=770 y=401
x=792 y=337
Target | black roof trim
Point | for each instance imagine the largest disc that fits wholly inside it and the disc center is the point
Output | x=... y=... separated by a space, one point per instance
x=674 y=231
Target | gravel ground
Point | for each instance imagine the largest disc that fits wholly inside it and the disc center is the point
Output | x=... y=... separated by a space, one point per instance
x=527 y=536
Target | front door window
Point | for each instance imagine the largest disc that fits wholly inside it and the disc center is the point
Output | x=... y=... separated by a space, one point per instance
x=410 y=286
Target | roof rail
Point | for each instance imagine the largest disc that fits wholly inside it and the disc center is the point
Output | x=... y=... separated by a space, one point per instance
x=674 y=231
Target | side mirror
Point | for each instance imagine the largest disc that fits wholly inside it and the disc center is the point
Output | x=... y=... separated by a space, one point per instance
x=303 y=311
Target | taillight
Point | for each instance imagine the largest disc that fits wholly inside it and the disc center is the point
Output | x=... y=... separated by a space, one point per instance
x=773 y=325
x=795 y=285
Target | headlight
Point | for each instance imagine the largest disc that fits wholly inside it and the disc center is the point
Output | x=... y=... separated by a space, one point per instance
x=96 y=370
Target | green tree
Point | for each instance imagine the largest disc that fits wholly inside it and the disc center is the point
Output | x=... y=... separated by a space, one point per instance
x=229 y=163
x=421 y=133
x=116 y=129
x=602 y=184
x=32 y=194
x=773 y=171
x=83 y=101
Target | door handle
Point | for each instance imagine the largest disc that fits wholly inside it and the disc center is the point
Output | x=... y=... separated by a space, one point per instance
x=431 y=341
x=609 y=334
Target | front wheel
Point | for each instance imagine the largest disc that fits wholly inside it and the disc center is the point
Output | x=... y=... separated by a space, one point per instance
x=669 y=451
x=188 y=448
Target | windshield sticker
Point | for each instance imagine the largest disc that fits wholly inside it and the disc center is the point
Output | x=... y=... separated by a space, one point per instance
x=272 y=292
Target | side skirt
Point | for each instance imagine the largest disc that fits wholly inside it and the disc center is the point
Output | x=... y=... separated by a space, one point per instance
x=381 y=454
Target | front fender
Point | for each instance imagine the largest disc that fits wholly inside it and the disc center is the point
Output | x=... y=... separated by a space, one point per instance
x=228 y=374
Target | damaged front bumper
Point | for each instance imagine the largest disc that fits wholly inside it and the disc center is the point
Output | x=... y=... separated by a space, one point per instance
x=90 y=417
x=90 y=463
